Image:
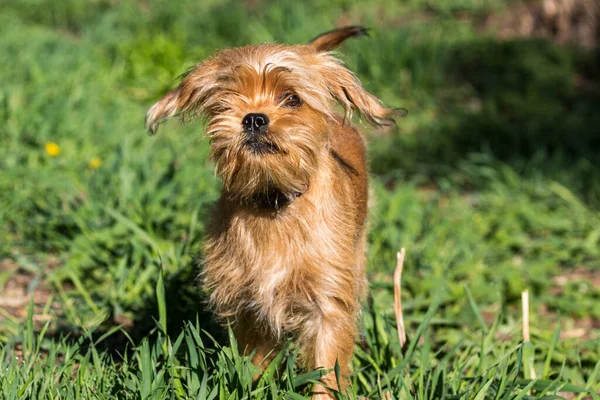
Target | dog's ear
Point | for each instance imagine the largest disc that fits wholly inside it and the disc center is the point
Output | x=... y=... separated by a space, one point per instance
x=187 y=99
x=346 y=88
x=330 y=40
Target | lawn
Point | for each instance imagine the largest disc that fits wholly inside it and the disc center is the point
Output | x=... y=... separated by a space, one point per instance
x=491 y=183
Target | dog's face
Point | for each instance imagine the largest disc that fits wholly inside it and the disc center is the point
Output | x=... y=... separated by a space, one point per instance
x=268 y=109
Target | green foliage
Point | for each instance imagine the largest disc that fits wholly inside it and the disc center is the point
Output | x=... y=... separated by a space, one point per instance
x=492 y=183
x=188 y=367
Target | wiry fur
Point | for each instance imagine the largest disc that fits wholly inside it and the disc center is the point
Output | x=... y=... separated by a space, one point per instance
x=295 y=271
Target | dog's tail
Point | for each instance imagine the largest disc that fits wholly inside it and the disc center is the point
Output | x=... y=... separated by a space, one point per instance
x=332 y=39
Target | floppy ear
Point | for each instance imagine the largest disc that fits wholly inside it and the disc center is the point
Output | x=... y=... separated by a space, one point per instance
x=345 y=87
x=332 y=39
x=187 y=99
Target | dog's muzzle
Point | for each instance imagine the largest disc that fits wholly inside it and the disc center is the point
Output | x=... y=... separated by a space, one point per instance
x=255 y=127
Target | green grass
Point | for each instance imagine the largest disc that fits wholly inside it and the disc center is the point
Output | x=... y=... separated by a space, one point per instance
x=492 y=183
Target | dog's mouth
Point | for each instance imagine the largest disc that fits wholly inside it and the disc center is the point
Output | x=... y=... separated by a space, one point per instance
x=261 y=146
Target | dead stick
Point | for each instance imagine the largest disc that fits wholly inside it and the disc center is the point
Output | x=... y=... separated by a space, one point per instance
x=525 y=305
x=526 y=335
x=398 y=298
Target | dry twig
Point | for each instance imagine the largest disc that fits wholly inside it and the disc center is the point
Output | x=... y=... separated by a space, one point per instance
x=398 y=298
x=525 y=305
x=526 y=335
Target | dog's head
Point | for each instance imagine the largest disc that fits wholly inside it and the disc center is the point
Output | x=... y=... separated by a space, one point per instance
x=268 y=108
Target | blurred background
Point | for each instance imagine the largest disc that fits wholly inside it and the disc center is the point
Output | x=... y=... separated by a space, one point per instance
x=492 y=181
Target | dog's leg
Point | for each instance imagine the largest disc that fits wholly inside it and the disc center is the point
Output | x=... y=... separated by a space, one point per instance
x=332 y=340
x=250 y=339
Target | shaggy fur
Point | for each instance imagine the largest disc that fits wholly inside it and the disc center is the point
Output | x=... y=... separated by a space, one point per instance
x=284 y=254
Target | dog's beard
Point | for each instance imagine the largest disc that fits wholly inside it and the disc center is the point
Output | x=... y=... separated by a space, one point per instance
x=283 y=160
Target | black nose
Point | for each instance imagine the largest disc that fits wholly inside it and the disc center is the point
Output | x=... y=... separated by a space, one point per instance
x=255 y=123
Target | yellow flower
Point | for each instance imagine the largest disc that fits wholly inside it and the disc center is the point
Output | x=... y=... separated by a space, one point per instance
x=95 y=162
x=52 y=149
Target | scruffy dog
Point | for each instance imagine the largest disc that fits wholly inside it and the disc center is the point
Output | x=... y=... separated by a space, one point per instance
x=284 y=255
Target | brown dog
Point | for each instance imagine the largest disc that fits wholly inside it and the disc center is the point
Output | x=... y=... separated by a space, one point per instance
x=284 y=256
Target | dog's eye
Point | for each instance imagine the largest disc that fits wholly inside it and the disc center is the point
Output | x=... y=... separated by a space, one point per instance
x=292 y=101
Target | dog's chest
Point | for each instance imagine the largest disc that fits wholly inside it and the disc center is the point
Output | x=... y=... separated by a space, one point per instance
x=281 y=270
x=275 y=265
x=284 y=295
